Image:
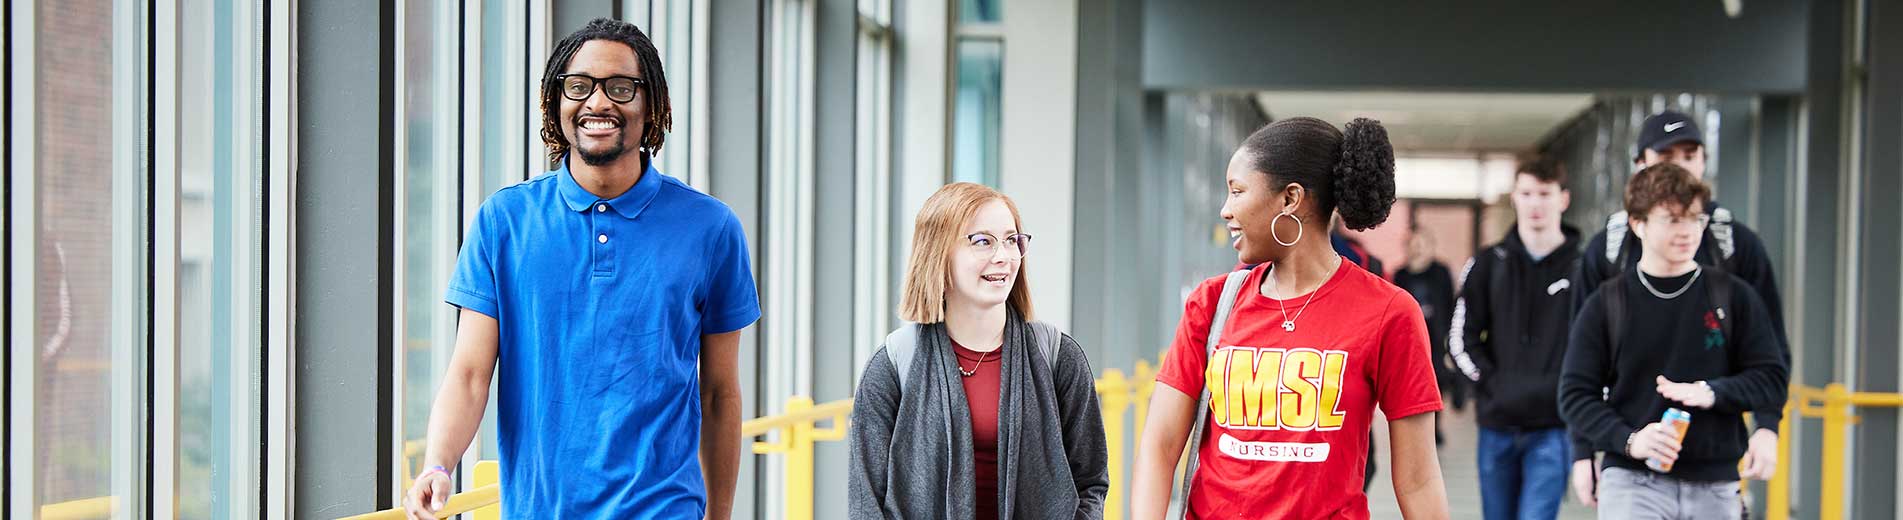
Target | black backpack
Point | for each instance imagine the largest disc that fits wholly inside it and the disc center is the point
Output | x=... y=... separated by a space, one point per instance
x=1613 y=297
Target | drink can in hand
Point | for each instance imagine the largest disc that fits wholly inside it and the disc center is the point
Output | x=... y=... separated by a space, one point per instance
x=1679 y=421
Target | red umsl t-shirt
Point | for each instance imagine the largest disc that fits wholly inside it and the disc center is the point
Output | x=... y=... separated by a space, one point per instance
x=1290 y=411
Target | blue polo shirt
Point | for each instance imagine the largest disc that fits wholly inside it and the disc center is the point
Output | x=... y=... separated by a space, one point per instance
x=601 y=305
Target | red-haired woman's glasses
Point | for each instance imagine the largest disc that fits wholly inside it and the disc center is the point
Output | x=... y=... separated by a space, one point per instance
x=987 y=245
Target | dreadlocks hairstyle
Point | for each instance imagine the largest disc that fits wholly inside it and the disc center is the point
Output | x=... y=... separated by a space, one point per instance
x=660 y=113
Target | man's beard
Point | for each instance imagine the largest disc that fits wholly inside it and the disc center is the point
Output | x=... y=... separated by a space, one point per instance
x=602 y=158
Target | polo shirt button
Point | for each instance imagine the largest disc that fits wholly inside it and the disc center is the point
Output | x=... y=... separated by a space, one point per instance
x=603 y=239
x=601 y=207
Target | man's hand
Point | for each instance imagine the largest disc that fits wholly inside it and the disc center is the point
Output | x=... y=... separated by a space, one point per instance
x=1695 y=394
x=1760 y=459
x=1654 y=441
x=427 y=495
x=1585 y=483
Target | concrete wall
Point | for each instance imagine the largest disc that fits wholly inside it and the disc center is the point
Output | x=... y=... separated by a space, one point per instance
x=1877 y=220
x=1038 y=154
x=344 y=258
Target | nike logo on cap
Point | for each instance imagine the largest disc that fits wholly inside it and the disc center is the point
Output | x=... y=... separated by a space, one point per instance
x=1673 y=127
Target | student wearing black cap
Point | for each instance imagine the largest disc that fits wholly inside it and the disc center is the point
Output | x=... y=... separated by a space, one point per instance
x=1729 y=246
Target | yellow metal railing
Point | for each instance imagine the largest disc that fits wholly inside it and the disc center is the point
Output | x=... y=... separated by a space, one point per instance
x=1832 y=403
x=798 y=432
x=479 y=503
x=83 y=509
x=797 y=436
x=1115 y=395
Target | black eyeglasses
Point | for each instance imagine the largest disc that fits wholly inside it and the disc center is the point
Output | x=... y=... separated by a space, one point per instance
x=620 y=89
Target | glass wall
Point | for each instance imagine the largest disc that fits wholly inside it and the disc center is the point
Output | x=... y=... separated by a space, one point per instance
x=977 y=102
x=219 y=172
x=679 y=30
x=872 y=214
x=78 y=244
x=505 y=98
x=429 y=170
x=502 y=132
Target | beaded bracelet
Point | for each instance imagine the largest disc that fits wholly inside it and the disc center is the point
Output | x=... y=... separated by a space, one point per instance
x=432 y=469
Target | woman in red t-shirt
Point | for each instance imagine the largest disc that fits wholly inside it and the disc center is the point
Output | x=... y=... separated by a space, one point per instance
x=1310 y=347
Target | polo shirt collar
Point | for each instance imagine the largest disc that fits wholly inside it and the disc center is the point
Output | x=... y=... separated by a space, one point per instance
x=629 y=204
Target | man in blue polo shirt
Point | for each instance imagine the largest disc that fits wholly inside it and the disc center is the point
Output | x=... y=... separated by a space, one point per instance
x=612 y=297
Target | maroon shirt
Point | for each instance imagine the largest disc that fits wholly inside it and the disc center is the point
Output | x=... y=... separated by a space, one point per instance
x=981 y=391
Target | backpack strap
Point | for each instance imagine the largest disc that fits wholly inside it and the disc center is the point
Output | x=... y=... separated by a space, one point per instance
x=1498 y=285
x=1230 y=288
x=1718 y=287
x=900 y=346
x=1048 y=340
x=1613 y=300
x=1616 y=231
x=1721 y=233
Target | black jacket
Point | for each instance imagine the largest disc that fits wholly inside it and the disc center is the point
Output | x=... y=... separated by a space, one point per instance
x=1683 y=340
x=1509 y=331
x=1433 y=288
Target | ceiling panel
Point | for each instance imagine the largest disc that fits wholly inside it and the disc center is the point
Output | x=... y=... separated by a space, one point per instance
x=1438 y=121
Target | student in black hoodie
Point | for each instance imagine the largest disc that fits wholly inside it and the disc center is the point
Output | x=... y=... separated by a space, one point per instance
x=1671 y=137
x=1670 y=333
x=1508 y=336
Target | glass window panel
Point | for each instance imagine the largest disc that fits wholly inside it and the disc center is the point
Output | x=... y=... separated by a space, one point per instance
x=219 y=184
x=505 y=131
x=430 y=130
x=978 y=111
x=672 y=30
x=505 y=134
x=980 y=11
x=873 y=194
x=87 y=255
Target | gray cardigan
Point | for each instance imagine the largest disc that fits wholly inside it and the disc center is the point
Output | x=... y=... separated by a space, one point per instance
x=912 y=449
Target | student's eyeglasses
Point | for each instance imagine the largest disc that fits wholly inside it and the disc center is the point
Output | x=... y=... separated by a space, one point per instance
x=1679 y=221
x=986 y=245
x=620 y=89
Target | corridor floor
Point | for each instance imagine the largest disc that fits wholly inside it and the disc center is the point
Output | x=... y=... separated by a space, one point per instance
x=1457 y=467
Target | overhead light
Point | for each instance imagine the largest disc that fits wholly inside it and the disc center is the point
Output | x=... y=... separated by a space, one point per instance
x=1733 y=7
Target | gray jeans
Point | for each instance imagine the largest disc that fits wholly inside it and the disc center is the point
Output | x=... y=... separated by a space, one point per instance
x=1643 y=495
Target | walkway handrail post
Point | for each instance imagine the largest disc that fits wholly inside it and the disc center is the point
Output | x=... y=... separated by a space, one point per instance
x=796 y=441
x=487 y=473
x=1836 y=435
x=1115 y=390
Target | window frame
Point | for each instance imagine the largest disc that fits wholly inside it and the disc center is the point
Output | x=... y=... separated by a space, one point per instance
x=873 y=186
